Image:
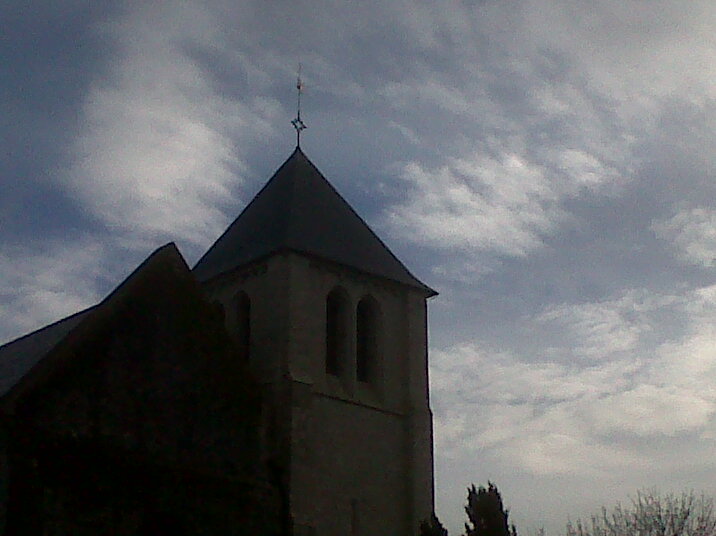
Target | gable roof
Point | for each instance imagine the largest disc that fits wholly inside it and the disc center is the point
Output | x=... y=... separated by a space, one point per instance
x=21 y=358
x=299 y=210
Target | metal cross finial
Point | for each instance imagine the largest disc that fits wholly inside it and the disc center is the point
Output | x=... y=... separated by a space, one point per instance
x=297 y=123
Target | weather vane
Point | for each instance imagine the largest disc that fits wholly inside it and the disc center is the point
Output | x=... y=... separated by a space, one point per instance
x=297 y=123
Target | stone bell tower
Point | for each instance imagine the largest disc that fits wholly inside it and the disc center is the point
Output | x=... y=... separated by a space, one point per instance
x=334 y=327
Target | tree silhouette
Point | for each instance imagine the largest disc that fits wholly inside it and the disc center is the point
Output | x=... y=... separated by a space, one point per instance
x=653 y=514
x=486 y=513
x=432 y=527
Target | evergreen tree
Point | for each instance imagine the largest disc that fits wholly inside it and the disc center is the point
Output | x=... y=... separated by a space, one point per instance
x=432 y=527
x=486 y=513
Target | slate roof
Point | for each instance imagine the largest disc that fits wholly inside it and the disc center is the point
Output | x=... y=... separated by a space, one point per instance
x=299 y=210
x=18 y=357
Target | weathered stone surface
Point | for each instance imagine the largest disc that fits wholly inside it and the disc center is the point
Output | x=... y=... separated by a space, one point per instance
x=359 y=455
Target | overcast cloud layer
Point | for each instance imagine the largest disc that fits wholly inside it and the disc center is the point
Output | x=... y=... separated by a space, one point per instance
x=547 y=165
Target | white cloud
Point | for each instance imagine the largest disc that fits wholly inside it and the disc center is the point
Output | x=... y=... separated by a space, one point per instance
x=652 y=410
x=692 y=232
x=548 y=415
x=602 y=329
x=43 y=282
x=636 y=53
x=501 y=205
x=156 y=154
x=567 y=90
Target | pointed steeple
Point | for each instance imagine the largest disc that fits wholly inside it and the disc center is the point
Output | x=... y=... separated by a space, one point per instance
x=298 y=210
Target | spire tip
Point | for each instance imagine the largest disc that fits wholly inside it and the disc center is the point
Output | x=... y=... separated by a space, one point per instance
x=297 y=123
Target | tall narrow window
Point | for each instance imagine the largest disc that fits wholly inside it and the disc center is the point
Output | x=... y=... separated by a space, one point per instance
x=243 y=324
x=367 y=339
x=336 y=331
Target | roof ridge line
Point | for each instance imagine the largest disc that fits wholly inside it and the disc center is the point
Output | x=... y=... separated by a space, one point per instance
x=48 y=326
x=246 y=207
x=375 y=235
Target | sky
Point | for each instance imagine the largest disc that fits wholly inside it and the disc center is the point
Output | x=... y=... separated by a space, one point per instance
x=546 y=165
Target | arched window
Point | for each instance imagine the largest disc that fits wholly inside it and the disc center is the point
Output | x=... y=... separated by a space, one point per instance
x=242 y=310
x=337 y=317
x=367 y=339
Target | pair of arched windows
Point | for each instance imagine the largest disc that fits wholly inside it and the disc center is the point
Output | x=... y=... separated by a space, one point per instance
x=340 y=328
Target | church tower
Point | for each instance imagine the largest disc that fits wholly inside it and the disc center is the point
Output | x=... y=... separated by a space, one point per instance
x=334 y=327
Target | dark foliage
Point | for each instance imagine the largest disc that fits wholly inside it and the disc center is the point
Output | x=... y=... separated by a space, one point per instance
x=432 y=527
x=653 y=514
x=486 y=513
